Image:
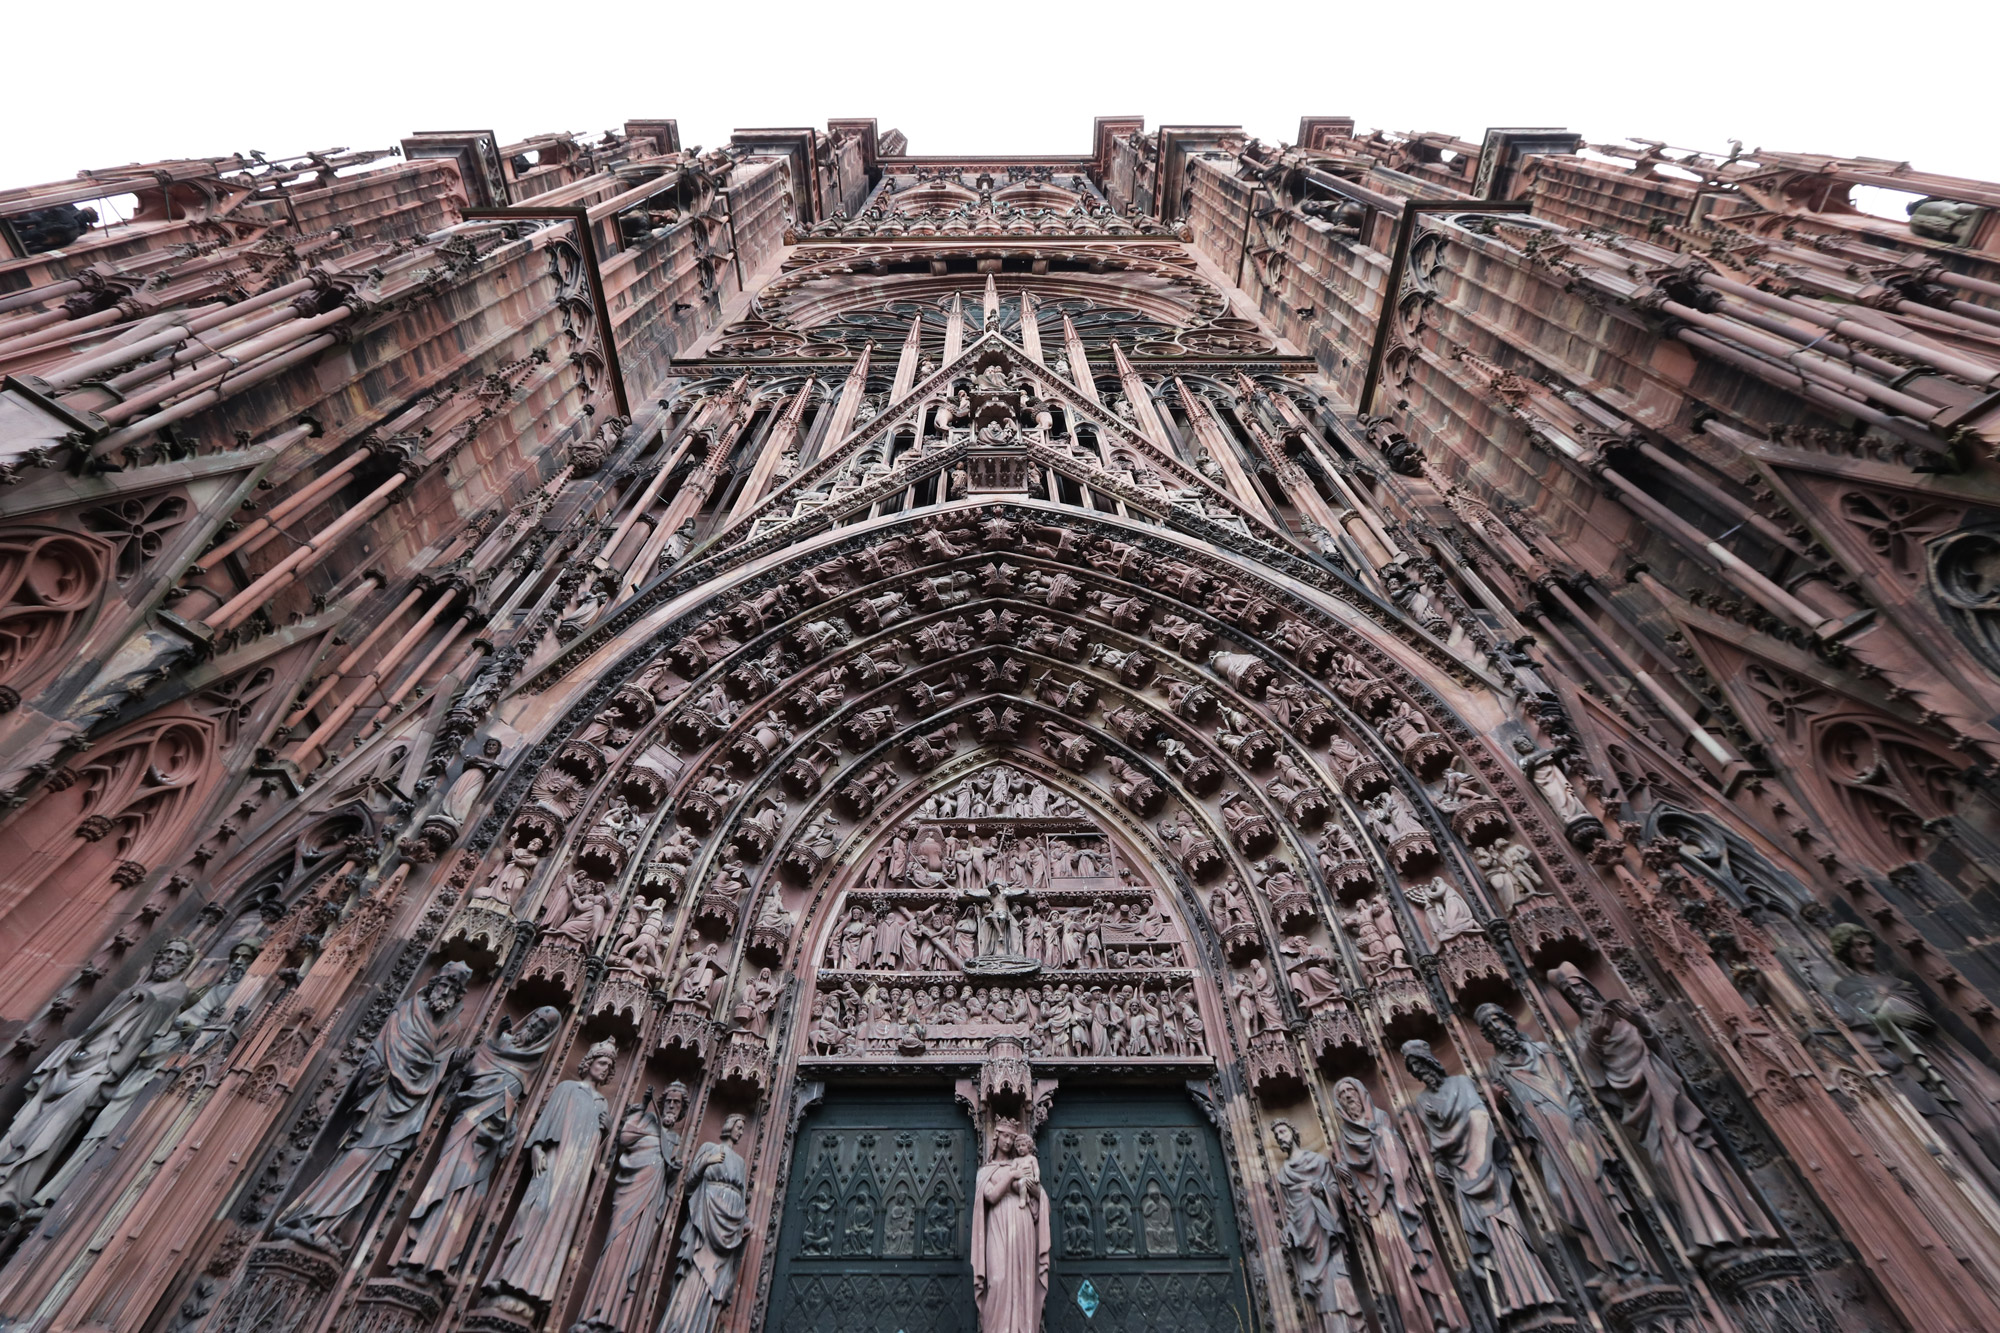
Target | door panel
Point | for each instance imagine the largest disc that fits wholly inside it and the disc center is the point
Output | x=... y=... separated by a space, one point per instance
x=877 y=1212
x=1143 y=1236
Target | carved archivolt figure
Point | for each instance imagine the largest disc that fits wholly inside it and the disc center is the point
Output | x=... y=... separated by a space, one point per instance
x=401 y=1074
x=1462 y=1141
x=1316 y=1232
x=481 y=1132
x=641 y=945
x=1376 y=938
x=1510 y=872
x=1315 y=982
x=1576 y=1160
x=718 y=1185
x=512 y=875
x=1446 y=908
x=1256 y=1000
x=71 y=1086
x=1010 y=1235
x=562 y=1147
x=1384 y=1186
x=647 y=1144
x=577 y=911
x=1631 y=1075
x=1957 y=1097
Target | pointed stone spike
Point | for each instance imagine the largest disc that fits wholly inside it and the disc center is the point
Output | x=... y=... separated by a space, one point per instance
x=906 y=364
x=954 y=330
x=1079 y=364
x=990 y=307
x=1031 y=328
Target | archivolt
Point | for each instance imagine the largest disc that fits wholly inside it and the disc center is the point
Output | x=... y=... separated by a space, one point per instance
x=850 y=685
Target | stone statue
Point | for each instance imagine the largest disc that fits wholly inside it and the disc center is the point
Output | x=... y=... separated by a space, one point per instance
x=1630 y=1074
x=1315 y=981
x=1543 y=768
x=712 y=1238
x=193 y=1030
x=79 y=1077
x=647 y=1143
x=760 y=997
x=1010 y=1235
x=1510 y=872
x=1446 y=908
x=400 y=1075
x=479 y=1135
x=1384 y=1187
x=577 y=911
x=1460 y=1130
x=512 y=875
x=562 y=1147
x=1956 y=1096
x=1316 y=1232
x=1575 y=1158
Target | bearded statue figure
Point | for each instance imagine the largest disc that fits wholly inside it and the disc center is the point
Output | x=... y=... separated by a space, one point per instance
x=478 y=1137
x=76 y=1081
x=1621 y=1057
x=399 y=1076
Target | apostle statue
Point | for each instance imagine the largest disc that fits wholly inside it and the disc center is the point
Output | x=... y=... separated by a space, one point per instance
x=480 y=1133
x=399 y=1076
x=1010 y=1235
x=712 y=1238
x=73 y=1084
x=1620 y=1057
x=1316 y=1232
x=1958 y=1097
x=192 y=1031
x=1384 y=1186
x=1460 y=1130
x=647 y=1144
x=1576 y=1160
x=561 y=1150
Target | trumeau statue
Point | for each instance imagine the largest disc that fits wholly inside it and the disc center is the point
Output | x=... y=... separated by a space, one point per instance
x=1626 y=1069
x=480 y=1132
x=1384 y=1186
x=1316 y=1232
x=1463 y=1141
x=711 y=1241
x=399 y=1077
x=562 y=1148
x=1010 y=1235
x=75 y=1082
x=647 y=1146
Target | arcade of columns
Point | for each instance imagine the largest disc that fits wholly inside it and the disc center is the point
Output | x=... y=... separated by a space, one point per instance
x=529 y=672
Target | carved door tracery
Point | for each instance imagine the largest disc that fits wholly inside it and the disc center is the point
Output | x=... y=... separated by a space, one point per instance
x=1143 y=1234
x=877 y=1210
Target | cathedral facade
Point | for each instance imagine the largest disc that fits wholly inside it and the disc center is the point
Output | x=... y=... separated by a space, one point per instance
x=1388 y=734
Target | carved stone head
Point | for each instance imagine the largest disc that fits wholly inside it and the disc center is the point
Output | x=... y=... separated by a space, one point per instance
x=1854 y=946
x=1418 y=1059
x=175 y=957
x=1498 y=1025
x=447 y=988
x=600 y=1060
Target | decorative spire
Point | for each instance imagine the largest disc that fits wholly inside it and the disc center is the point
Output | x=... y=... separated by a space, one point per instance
x=954 y=330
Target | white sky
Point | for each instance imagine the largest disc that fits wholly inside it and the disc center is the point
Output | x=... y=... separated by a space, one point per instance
x=104 y=84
